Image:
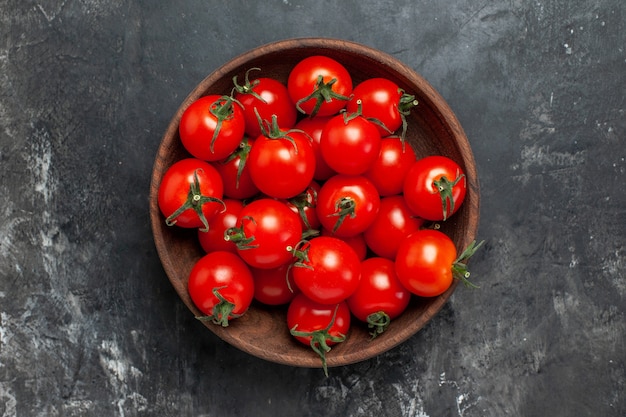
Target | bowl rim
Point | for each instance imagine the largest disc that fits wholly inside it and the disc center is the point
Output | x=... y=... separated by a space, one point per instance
x=443 y=112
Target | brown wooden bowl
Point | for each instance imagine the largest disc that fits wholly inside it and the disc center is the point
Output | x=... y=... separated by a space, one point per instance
x=433 y=129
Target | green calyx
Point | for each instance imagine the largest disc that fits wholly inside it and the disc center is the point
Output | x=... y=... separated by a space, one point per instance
x=378 y=323
x=248 y=86
x=237 y=235
x=344 y=207
x=405 y=105
x=221 y=109
x=195 y=201
x=323 y=92
x=272 y=130
x=444 y=186
x=304 y=200
x=222 y=311
x=459 y=267
x=242 y=153
x=320 y=339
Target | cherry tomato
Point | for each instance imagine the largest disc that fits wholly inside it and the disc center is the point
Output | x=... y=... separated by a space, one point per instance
x=427 y=262
x=350 y=144
x=318 y=325
x=282 y=166
x=221 y=286
x=274 y=286
x=263 y=98
x=313 y=127
x=213 y=240
x=212 y=127
x=347 y=205
x=327 y=271
x=389 y=170
x=266 y=233
x=190 y=193
x=380 y=297
x=434 y=187
x=319 y=85
x=383 y=100
x=236 y=173
x=393 y=223
x=304 y=204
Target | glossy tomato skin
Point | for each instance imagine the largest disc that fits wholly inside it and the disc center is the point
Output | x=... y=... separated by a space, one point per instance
x=271 y=286
x=198 y=124
x=276 y=102
x=313 y=126
x=308 y=316
x=235 y=173
x=174 y=191
x=303 y=80
x=350 y=147
x=330 y=272
x=379 y=290
x=227 y=274
x=390 y=168
x=281 y=168
x=355 y=196
x=356 y=242
x=267 y=231
x=424 y=262
x=213 y=239
x=423 y=194
x=393 y=223
x=380 y=99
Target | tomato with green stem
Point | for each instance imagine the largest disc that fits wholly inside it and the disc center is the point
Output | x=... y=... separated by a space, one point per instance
x=235 y=172
x=190 y=193
x=319 y=326
x=212 y=127
x=427 y=263
x=221 y=286
x=380 y=297
x=213 y=240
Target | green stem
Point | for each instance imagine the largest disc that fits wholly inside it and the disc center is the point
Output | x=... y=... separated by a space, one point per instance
x=459 y=267
x=444 y=187
x=323 y=92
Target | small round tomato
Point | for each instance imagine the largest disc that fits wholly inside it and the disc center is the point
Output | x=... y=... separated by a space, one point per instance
x=313 y=126
x=380 y=297
x=266 y=233
x=319 y=85
x=212 y=127
x=236 y=174
x=274 y=286
x=427 y=262
x=190 y=193
x=393 y=223
x=327 y=271
x=434 y=187
x=383 y=100
x=282 y=166
x=347 y=205
x=264 y=98
x=221 y=286
x=350 y=144
x=388 y=171
x=318 y=325
x=213 y=240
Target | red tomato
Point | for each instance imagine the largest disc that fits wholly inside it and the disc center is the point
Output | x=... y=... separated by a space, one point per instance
x=265 y=98
x=190 y=193
x=221 y=286
x=318 y=325
x=319 y=85
x=347 y=205
x=380 y=297
x=282 y=166
x=356 y=242
x=266 y=233
x=304 y=205
x=434 y=187
x=212 y=127
x=350 y=144
x=394 y=160
x=213 y=240
x=236 y=174
x=327 y=271
x=313 y=127
x=393 y=223
x=274 y=286
x=383 y=100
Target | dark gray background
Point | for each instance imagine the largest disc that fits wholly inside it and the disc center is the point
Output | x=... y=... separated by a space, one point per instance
x=89 y=324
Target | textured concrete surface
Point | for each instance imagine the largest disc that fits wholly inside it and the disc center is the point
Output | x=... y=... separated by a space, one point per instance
x=89 y=324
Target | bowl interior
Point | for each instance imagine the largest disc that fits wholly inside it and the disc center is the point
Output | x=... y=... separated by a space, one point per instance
x=433 y=129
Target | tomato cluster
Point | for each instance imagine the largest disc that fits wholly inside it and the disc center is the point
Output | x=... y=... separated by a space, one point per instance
x=307 y=195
